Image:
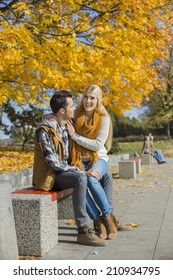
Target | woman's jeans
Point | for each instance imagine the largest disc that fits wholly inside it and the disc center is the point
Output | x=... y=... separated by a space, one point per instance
x=158 y=156
x=107 y=184
x=96 y=200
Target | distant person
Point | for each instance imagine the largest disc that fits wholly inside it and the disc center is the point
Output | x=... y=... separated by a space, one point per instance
x=158 y=155
x=148 y=148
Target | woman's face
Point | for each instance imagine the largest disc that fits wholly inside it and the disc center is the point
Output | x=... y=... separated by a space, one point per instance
x=90 y=103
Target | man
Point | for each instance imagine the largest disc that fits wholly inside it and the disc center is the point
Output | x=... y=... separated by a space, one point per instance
x=51 y=169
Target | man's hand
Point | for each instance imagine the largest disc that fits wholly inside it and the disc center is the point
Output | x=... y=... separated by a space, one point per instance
x=93 y=172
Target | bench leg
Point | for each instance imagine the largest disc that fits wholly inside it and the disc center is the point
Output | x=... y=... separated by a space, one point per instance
x=127 y=169
x=65 y=208
x=146 y=159
x=36 y=221
x=138 y=166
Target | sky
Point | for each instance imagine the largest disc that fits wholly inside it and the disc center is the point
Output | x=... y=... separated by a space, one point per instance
x=2 y=135
x=135 y=113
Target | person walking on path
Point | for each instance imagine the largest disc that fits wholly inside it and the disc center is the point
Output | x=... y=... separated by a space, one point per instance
x=51 y=169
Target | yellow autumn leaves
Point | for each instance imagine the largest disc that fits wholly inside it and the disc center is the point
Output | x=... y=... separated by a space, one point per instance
x=15 y=161
x=70 y=44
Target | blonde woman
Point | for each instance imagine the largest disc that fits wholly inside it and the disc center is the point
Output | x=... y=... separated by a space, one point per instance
x=92 y=138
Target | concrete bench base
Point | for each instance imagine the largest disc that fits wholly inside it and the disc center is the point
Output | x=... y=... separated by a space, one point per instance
x=36 y=215
x=8 y=238
x=127 y=169
x=146 y=159
x=137 y=163
x=65 y=208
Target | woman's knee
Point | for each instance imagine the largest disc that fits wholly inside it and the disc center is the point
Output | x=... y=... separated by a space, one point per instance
x=91 y=180
x=93 y=183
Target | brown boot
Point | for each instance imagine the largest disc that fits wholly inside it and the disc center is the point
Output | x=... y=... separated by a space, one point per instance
x=87 y=237
x=119 y=226
x=110 y=227
x=100 y=228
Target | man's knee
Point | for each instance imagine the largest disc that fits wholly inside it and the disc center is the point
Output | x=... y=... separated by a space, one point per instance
x=82 y=180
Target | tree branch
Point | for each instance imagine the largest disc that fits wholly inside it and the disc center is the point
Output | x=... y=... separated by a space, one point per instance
x=7 y=6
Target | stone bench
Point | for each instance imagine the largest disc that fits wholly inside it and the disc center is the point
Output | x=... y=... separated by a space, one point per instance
x=146 y=159
x=137 y=161
x=128 y=168
x=36 y=215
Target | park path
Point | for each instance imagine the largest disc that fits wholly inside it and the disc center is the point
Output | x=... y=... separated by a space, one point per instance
x=147 y=204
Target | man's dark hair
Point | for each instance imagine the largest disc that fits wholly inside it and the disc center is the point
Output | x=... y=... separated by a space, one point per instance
x=59 y=100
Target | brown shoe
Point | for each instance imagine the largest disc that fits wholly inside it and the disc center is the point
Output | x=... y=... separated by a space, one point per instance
x=110 y=227
x=87 y=237
x=119 y=226
x=100 y=228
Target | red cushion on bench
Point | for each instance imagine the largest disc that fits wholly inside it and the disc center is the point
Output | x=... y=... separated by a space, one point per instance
x=55 y=194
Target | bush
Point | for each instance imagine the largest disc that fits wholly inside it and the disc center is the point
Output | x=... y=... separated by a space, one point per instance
x=131 y=138
x=115 y=146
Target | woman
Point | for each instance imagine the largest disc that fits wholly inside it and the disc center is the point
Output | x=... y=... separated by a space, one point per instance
x=93 y=131
x=148 y=148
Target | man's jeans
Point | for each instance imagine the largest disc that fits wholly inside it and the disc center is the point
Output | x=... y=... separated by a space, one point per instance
x=96 y=197
x=77 y=181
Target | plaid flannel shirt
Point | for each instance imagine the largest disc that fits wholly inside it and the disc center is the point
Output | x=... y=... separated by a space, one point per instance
x=50 y=154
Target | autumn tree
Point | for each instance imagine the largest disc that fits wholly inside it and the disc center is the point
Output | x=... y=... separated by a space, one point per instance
x=70 y=44
x=23 y=122
x=160 y=102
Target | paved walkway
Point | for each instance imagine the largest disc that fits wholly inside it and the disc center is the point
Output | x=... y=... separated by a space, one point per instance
x=146 y=201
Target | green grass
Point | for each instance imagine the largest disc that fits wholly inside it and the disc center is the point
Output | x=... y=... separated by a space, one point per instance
x=165 y=145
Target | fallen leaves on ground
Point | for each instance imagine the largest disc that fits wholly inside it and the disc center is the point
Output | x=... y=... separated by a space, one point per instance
x=15 y=161
x=132 y=225
x=28 y=258
x=136 y=193
x=121 y=201
x=70 y=222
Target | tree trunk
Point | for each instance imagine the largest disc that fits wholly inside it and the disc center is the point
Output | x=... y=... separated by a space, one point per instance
x=23 y=146
x=168 y=131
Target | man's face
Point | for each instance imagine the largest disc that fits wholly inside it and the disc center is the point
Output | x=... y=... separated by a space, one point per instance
x=69 y=110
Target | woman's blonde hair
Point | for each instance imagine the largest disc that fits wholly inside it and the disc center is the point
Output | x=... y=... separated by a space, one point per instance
x=97 y=92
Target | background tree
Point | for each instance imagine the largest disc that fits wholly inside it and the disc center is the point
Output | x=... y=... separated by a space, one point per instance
x=23 y=123
x=124 y=126
x=160 y=102
x=71 y=43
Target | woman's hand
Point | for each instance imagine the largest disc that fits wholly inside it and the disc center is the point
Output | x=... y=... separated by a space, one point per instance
x=93 y=172
x=70 y=128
